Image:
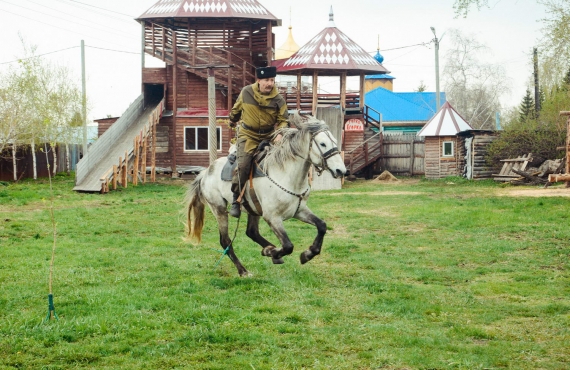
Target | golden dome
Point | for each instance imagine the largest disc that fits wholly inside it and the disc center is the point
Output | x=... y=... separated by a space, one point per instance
x=288 y=48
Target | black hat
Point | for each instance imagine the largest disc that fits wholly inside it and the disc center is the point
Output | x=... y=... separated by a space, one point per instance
x=265 y=72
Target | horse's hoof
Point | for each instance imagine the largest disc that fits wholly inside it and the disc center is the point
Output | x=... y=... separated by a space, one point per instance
x=277 y=261
x=246 y=274
x=306 y=256
x=266 y=252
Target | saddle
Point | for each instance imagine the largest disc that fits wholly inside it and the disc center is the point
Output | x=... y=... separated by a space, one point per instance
x=230 y=167
x=258 y=156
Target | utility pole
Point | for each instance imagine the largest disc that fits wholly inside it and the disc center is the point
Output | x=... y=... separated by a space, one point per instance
x=536 y=85
x=437 y=97
x=83 y=98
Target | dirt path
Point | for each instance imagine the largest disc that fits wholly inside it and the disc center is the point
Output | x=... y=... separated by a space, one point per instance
x=536 y=192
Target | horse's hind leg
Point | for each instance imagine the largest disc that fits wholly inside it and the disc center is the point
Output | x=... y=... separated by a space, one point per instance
x=225 y=240
x=252 y=232
x=309 y=217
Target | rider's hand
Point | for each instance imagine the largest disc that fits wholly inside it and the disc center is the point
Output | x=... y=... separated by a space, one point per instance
x=233 y=124
x=278 y=137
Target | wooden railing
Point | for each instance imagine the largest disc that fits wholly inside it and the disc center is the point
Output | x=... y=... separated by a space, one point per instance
x=175 y=48
x=364 y=154
x=306 y=100
x=102 y=146
x=369 y=120
x=134 y=163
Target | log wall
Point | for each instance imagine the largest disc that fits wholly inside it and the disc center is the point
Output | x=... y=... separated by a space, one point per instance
x=436 y=165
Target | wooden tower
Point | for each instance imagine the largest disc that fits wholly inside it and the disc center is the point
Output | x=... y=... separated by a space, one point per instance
x=227 y=39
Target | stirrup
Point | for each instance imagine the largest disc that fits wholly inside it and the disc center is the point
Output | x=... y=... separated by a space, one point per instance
x=235 y=209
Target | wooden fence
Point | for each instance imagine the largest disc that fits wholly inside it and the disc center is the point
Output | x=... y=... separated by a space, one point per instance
x=403 y=154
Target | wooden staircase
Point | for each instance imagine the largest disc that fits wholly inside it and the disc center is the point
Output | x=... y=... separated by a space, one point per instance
x=366 y=154
x=175 y=47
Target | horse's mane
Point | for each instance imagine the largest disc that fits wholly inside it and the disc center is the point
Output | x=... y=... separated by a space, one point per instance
x=294 y=141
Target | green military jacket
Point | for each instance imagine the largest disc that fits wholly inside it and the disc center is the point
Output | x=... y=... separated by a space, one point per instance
x=260 y=113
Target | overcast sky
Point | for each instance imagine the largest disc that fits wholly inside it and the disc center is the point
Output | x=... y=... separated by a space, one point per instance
x=510 y=29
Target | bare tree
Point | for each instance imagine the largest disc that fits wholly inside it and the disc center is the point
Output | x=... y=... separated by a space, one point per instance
x=472 y=86
x=39 y=104
x=462 y=7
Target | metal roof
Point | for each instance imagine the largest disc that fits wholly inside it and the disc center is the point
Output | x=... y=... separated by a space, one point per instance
x=331 y=52
x=250 y=9
x=402 y=107
x=379 y=77
x=447 y=122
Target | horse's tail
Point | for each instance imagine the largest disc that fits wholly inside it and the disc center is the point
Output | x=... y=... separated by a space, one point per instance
x=196 y=207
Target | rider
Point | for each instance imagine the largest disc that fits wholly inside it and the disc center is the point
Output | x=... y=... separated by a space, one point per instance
x=262 y=110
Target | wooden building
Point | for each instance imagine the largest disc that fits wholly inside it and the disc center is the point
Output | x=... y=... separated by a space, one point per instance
x=332 y=53
x=444 y=148
x=197 y=39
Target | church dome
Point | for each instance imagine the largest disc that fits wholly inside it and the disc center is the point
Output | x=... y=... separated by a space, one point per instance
x=379 y=58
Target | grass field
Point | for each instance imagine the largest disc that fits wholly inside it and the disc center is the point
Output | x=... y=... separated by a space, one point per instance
x=419 y=275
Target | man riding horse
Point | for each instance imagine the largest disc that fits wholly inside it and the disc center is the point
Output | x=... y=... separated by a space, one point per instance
x=262 y=110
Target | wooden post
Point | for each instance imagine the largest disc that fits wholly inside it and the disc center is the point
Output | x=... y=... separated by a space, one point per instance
x=299 y=88
x=230 y=87
x=212 y=136
x=269 y=38
x=115 y=175
x=243 y=76
x=124 y=169
x=412 y=155
x=315 y=92
x=153 y=154
x=361 y=100
x=143 y=164
x=173 y=134
x=136 y=161
x=343 y=90
x=566 y=176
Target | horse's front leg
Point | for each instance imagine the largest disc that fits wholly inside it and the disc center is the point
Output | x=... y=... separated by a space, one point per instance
x=252 y=232
x=306 y=215
x=221 y=215
x=276 y=225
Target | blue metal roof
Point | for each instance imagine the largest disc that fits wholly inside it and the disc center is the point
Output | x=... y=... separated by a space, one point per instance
x=379 y=77
x=401 y=107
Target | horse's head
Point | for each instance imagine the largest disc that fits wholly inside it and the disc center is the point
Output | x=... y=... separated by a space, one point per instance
x=323 y=151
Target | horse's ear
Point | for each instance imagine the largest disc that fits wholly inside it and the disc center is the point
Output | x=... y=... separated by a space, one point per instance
x=295 y=119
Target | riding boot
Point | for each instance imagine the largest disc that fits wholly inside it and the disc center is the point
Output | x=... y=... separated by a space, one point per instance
x=235 y=210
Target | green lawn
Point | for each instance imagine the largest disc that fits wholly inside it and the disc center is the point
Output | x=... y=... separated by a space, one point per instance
x=419 y=275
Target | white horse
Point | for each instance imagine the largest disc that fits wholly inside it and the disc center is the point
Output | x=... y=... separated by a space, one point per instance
x=282 y=193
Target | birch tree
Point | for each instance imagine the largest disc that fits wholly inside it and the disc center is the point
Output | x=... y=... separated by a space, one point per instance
x=473 y=86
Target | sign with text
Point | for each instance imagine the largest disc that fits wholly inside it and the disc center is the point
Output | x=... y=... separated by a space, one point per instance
x=354 y=125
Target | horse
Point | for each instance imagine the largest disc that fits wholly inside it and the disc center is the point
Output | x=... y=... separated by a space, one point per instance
x=282 y=193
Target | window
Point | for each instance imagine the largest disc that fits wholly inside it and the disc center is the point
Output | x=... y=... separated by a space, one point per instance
x=448 y=149
x=196 y=138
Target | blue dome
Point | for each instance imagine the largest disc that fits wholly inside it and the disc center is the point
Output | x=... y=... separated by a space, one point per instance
x=379 y=58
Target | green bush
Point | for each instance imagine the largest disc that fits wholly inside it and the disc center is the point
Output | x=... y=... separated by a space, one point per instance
x=516 y=142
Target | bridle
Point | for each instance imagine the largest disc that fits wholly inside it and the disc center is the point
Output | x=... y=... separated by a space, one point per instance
x=319 y=168
x=324 y=156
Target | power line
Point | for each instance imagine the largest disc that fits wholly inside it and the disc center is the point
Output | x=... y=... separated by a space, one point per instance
x=72 y=47
x=118 y=51
x=403 y=47
x=54 y=26
x=55 y=16
x=107 y=10
x=41 y=55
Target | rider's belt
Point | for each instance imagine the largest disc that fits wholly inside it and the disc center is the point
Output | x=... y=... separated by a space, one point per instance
x=259 y=131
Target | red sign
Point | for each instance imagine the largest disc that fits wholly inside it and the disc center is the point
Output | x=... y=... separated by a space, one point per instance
x=354 y=125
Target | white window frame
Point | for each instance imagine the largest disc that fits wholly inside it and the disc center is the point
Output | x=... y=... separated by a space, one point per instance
x=443 y=149
x=197 y=130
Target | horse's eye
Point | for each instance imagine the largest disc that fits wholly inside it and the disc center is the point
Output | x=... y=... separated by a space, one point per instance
x=323 y=145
